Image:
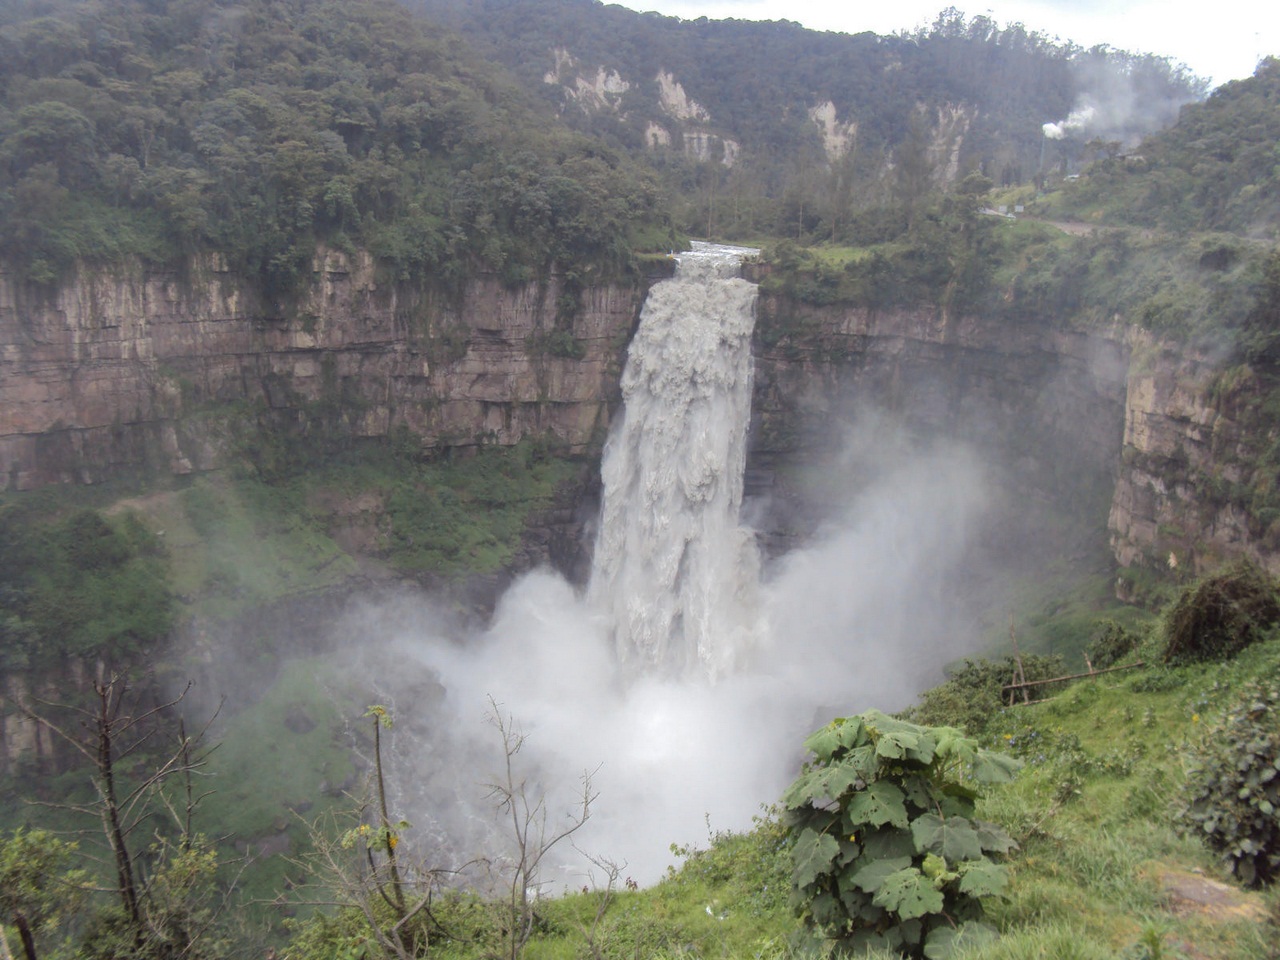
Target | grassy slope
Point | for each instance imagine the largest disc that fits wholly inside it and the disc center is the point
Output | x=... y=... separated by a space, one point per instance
x=1092 y=812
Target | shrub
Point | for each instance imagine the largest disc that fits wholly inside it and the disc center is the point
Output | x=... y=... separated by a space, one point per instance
x=1110 y=644
x=886 y=851
x=1233 y=789
x=972 y=695
x=1220 y=616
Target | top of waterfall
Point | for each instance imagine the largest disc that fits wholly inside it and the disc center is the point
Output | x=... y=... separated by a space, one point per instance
x=717 y=260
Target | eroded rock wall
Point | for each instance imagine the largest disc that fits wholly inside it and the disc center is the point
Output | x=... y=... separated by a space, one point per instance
x=149 y=369
x=1197 y=486
x=166 y=372
x=1043 y=408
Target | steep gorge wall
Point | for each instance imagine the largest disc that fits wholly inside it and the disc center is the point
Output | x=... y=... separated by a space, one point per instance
x=166 y=372
x=148 y=369
x=1043 y=409
x=1176 y=453
x=1199 y=482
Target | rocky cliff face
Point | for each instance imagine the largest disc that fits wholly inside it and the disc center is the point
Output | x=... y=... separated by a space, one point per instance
x=1042 y=409
x=1175 y=452
x=167 y=372
x=124 y=370
x=1198 y=479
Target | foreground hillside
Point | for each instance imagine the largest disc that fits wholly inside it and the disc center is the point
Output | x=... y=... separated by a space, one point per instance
x=1107 y=862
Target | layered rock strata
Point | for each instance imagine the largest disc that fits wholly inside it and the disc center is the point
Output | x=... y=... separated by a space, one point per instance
x=157 y=370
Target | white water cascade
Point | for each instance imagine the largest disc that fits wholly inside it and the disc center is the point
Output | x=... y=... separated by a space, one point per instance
x=675 y=574
x=681 y=680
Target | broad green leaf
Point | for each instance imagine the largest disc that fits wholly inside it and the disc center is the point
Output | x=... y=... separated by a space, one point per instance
x=826 y=910
x=813 y=855
x=861 y=942
x=823 y=743
x=957 y=802
x=909 y=893
x=912 y=931
x=993 y=838
x=942 y=942
x=849 y=852
x=919 y=791
x=953 y=838
x=954 y=745
x=887 y=842
x=898 y=739
x=822 y=784
x=862 y=759
x=992 y=767
x=801 y=790
x=857 y=903
x=881 y=803
x=841 y=733
x=871 y=877
x=837 y=779
x=982 y=878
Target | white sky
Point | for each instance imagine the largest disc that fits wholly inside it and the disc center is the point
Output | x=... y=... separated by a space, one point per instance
x=1222 y=40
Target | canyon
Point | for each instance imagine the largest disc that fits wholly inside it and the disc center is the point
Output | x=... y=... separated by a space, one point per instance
x=142 y=371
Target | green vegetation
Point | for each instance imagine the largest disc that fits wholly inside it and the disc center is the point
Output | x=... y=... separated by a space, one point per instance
x=83 y=583
x=905 y=96
x=262 y=132
x=1220 y=616
x=1108 y=763
x=78 y=585
x=1214 y=170
x=886 y=851
x=1233 y=790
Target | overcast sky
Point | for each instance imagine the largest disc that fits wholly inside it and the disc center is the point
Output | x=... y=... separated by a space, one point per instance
x=1222 y=40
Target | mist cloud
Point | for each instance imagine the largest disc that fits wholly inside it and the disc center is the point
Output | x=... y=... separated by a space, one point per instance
x=859 y=618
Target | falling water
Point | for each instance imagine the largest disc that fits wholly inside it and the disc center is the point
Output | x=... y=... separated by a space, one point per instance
x=675 y=574
x=615 y=682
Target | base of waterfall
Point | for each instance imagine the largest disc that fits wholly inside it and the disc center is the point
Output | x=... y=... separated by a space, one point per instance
x=859 y=618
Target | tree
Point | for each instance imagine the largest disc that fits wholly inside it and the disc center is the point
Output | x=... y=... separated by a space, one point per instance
x=37 y=890
x=386 y=904
x=166 y=904
x=886 y=850
x=533 y=839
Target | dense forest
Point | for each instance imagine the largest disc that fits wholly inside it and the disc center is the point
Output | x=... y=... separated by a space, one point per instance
x=913 y=112
x=258 y=130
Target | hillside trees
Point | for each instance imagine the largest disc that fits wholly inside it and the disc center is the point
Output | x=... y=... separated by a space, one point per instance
x=81 y=586
x=995 y=85
x=38 y=889
x=263 y=131
x=1215 y=170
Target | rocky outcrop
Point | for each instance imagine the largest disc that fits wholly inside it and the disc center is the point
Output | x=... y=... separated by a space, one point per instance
x=117 y=370
x=1197 y=485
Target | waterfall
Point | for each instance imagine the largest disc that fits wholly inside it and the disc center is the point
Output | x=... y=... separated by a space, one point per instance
x=675 y=574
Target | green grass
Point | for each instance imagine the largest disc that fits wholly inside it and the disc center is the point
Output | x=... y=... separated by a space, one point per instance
x=279 y=766
x=1092 y=811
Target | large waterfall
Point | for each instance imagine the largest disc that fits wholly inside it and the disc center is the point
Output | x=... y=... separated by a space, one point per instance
x=675 y=574
x=617 y=681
